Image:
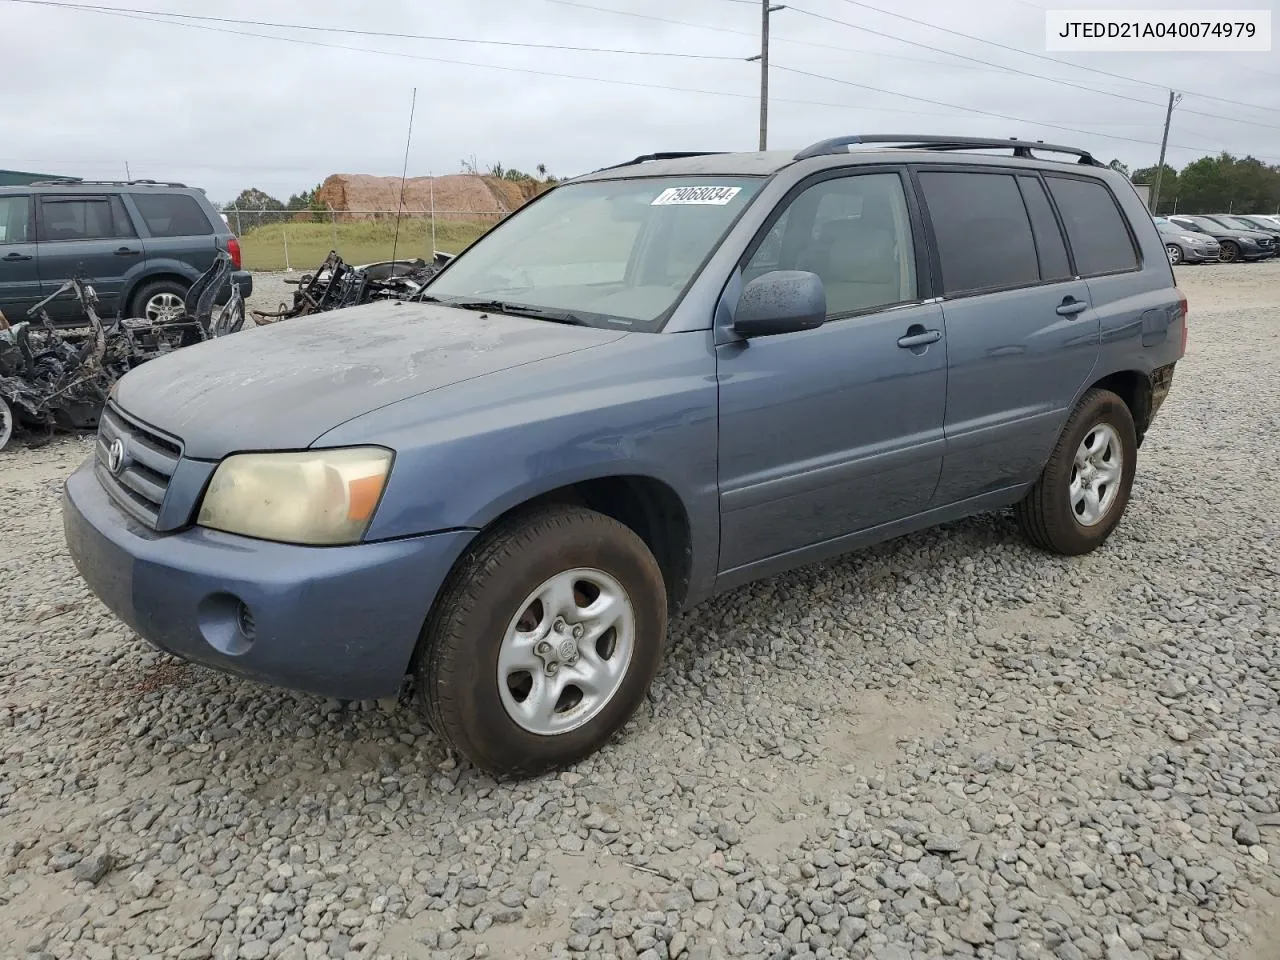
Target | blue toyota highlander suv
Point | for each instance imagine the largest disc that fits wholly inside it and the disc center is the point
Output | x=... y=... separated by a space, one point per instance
x=653 y=383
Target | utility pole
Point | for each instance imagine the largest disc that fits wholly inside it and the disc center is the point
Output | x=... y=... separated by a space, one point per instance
x=763 y=56
x=1164 y=143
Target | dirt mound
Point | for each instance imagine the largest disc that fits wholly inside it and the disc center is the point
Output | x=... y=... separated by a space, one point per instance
x=358 y=196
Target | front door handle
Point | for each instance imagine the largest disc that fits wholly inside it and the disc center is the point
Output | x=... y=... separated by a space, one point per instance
x=1070 y=306
x=127 y=252
x=918 y=336
x=15 y=257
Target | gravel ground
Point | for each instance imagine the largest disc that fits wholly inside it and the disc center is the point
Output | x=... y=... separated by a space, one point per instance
x=950 y=745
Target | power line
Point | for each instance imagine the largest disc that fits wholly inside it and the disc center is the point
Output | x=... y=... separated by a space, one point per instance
x=984 y=68
x=985 y=113
x=1064 y=63
x=99 y=8
x=509 y=69
x=163 y=19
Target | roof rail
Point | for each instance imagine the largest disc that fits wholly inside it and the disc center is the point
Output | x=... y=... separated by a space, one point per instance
x=670 y=155
x=72 y=182
x=1021 y=148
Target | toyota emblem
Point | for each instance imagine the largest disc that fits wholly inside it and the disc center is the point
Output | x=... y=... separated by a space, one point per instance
x=115 y=456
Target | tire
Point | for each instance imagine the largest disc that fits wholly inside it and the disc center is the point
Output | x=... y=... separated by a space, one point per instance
x=154 y=295
x=467 y=672
x=1051 y=515
x=1228 y=252
x=1175 y=253
x=6 y=423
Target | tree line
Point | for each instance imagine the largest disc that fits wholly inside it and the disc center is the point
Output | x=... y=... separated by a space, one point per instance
x=1220 y=184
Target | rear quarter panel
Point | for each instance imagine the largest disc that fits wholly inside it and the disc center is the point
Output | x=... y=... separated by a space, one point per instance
x=1140 y=312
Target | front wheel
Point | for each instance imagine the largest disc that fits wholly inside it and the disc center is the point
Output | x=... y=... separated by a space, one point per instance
x=1175 y=253
x=1229 y=252
x=544 y=641
x=1084 y=488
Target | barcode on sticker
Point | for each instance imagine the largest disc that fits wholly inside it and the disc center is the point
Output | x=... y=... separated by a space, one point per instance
x=715 y=196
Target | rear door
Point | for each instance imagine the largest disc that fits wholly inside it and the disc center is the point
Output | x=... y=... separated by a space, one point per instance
x=175 y=228
x=19 y=274
x=1022 y=335
x=89 y=233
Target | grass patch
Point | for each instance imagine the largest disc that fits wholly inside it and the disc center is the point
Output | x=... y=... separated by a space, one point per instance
x=263 y=248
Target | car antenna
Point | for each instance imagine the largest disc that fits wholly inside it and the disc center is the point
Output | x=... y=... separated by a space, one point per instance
x=403 y=173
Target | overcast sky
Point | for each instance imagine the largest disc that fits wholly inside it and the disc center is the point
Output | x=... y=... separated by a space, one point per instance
x=88 y=92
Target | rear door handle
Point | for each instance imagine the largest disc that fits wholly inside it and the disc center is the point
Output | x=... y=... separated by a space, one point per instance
x=922 y=338
x=127 y=252
x=15 y=257
x=1070 y=306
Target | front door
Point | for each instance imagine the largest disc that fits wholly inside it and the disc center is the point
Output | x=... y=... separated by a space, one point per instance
x=834 y=430
x=19 y=276
x=89 y=233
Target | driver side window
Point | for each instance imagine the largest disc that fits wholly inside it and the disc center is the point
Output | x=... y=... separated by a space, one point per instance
x=854 y=232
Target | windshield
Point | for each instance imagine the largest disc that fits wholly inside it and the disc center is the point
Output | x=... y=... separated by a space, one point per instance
x=608 y=253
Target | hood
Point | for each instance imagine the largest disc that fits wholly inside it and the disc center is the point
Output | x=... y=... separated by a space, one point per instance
x=283 y=385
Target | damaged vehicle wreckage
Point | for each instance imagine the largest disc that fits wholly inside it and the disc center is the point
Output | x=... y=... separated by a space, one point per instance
x=60 y=378
x=335 y=284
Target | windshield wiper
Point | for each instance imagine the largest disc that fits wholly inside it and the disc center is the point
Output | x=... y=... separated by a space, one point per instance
x=518 y=310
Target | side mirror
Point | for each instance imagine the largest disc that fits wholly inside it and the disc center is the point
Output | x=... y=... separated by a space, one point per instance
x=781 y=301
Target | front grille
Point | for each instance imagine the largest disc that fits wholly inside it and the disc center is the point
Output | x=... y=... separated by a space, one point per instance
x=141 y=478
x=1264 y=244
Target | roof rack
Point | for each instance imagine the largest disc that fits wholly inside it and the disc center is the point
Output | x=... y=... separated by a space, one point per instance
x=670 y=155
x=72 y=182
x=1020 y=148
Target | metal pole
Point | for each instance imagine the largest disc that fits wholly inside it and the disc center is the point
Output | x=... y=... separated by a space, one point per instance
x=764 y=74
x=763 y=56
x=333 y=224
x=1164 y=143
x=284 y=232
x=431 y=182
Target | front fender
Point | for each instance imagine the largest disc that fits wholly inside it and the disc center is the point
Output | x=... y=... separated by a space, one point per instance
x=466 y=454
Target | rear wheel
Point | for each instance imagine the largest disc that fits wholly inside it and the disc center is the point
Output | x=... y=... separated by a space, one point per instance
x=1175 y=253
x=162 y=301
x=544 y=641
x=1228 y=252
x=1084 y=488
x=6 y=423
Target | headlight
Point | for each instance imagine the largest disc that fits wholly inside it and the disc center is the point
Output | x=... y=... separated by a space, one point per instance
x=1193 y=239
x=316 y=497
x=1244 y=239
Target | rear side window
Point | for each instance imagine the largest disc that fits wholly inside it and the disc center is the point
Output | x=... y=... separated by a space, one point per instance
x=172 y=215
x=83 y=218
x=983 y=233
x=1050 y=248
x=1095 y=226
x=14 y=219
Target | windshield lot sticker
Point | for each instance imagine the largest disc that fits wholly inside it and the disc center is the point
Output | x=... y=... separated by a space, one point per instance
x=712 y=196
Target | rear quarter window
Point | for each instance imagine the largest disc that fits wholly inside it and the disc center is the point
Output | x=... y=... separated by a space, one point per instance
x=172 y=215
x=1099 y=235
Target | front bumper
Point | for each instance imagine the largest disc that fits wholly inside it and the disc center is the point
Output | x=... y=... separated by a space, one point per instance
x=1201 y=252
x=336 y=621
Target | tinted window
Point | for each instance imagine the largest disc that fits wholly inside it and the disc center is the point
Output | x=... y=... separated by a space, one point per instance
x=89 y=218
x=172 y=215
x=1095 y=226
x=984 y=236
x=14 y=220
x=1050 y=248
x=853 y=232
